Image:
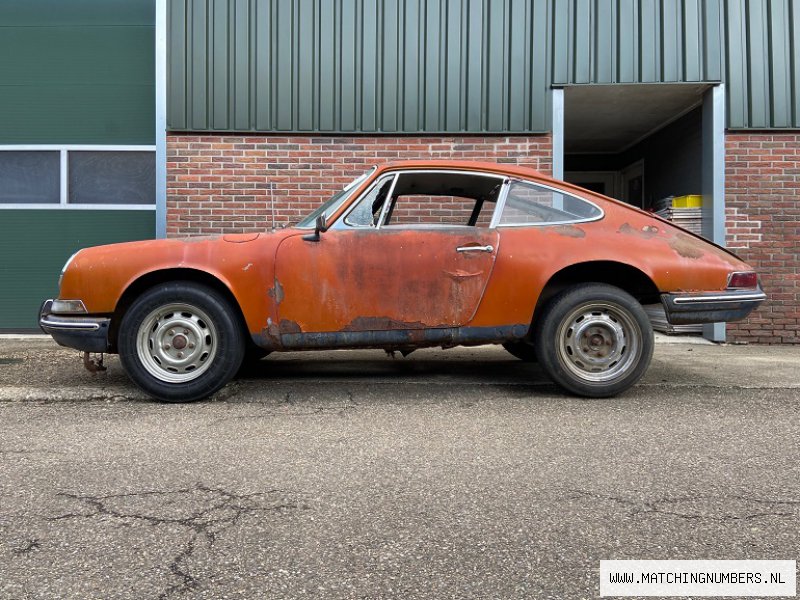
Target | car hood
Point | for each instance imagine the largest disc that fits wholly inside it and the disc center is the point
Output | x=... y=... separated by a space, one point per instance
x=99 y=275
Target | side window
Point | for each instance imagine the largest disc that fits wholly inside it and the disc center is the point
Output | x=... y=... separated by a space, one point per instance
x=368 y=210
x=443 y=199
x=413 y=209
x=530 y=204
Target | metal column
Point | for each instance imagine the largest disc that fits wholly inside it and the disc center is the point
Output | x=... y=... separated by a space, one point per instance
x=714 y=180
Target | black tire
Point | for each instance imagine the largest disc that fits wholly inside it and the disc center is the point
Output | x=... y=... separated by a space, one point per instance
x=594 y=340
x=252 y=359
x=253 y=354
x=522 y=350
x=198 y=321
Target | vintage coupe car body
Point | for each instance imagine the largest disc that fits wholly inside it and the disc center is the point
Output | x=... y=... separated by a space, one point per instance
x=410 y=254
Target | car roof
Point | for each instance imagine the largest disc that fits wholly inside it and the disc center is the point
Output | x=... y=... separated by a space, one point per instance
x=466 y=165
x=511 y=170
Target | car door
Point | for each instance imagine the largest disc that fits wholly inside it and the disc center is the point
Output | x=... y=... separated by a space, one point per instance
x=398 y=276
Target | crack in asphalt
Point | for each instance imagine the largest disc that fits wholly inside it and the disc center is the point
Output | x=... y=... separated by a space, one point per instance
x=224 y=509
x=29 y=547
x=775 y=508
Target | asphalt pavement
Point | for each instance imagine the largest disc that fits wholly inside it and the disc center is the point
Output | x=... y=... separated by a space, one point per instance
x=447 y=474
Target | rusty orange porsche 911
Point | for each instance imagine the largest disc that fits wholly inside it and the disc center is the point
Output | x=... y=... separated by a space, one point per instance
x=409 y=255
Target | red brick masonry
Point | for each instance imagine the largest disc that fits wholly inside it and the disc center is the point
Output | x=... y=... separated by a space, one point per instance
x=221 y=183
x=762 y=182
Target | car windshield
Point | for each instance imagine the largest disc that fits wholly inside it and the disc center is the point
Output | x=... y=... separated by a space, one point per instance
x=334 y=202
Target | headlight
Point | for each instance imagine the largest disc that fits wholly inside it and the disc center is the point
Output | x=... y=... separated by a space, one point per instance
x=64 y=268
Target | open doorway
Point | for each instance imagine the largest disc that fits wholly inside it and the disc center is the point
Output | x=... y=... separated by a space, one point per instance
x=638 y=143
x=654 y=146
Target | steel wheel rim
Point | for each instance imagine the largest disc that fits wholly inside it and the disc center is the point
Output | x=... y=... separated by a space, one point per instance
x=177 y=343
x=599 y=342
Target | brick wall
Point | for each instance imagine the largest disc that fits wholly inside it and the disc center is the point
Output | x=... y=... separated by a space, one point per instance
x=221 y=183
x=762 y=180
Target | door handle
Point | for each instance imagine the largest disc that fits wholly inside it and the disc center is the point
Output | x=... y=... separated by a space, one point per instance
x=489 y=248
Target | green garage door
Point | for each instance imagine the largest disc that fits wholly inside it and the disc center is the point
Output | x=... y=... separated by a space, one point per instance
x=35 y=244
x=77 y=135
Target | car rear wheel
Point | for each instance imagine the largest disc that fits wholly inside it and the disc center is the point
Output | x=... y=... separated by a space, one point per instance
x=522 y=350
x=594 y=340
x=180 y=342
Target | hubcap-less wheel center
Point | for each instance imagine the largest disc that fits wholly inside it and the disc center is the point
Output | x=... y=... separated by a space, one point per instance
x=177 y=343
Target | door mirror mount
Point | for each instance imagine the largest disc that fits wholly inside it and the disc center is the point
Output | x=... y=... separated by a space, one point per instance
x=320 y=226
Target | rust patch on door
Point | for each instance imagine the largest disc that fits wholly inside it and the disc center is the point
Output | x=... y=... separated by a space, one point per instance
x=276 y=292
x=272 y=332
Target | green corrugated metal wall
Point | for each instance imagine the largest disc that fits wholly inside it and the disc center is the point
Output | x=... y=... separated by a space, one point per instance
x=465 y=65
x=71 y=72
x=751 y=45
x=358 y=65
x=77 y=72
x=619 y=41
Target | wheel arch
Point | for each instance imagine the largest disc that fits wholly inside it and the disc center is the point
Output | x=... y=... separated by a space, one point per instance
x=151 y=279
x=624 y=276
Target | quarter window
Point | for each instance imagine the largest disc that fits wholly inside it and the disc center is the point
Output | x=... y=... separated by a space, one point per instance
x=368 y=210
x=530 y=204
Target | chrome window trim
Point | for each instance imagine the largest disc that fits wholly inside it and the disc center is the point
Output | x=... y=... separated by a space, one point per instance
x=386 y=202
x=500 y=204
x=342 y=221
x=549 y=223
x=440 y=171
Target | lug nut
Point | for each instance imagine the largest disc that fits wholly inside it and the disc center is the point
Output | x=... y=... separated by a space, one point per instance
x=191 y=344
x=180 y=354
x=185 y=331
x=167 y=346
x=170 y=332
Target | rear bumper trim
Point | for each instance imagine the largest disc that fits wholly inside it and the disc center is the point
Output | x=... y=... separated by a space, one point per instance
x=712 y=307
x=733 y=297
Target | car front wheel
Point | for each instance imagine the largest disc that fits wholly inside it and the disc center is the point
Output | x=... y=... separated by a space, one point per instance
x=594 y=340
x=180 y=342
